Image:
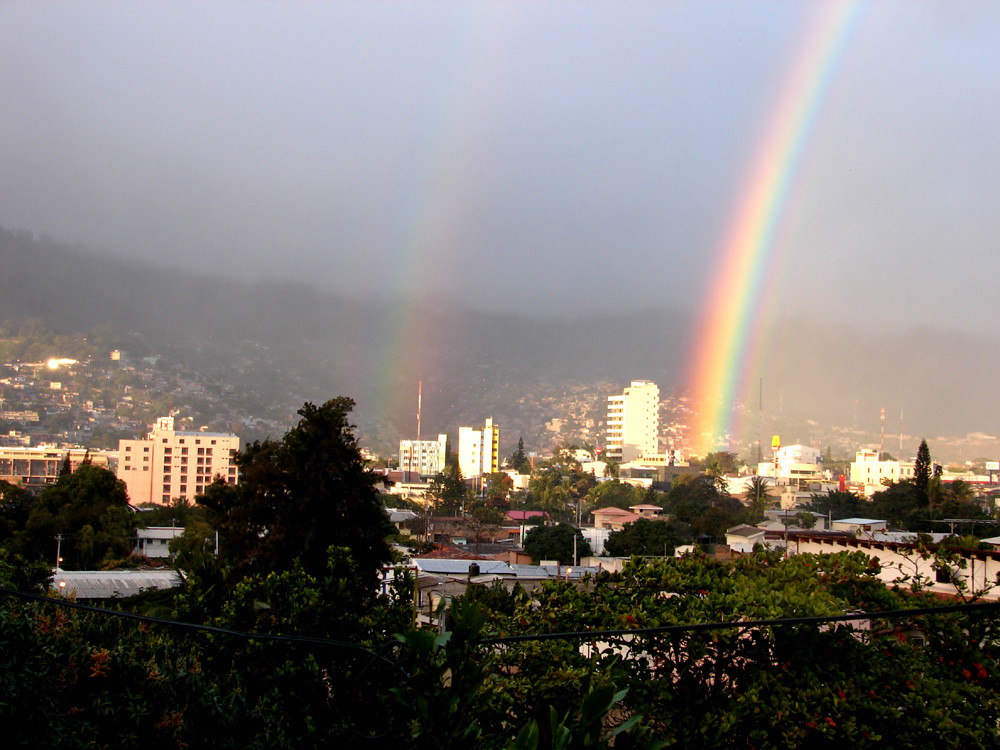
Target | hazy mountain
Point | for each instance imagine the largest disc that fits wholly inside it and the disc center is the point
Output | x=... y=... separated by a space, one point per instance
x=289 y=343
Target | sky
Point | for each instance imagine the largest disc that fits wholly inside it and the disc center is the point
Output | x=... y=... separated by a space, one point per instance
x=537 y=157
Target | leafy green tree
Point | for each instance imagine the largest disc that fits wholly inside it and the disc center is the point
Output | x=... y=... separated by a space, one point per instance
x=837 y=504
x=613 y=493
x=498 y=488
x=299 y=496
x=89 y=509
x=447 y=492
x=721 y=463
x=692 y=495
x=902 y=505
x=555 y=543
x=647 y=537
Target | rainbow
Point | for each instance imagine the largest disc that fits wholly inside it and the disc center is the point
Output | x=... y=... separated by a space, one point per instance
x=730 y=334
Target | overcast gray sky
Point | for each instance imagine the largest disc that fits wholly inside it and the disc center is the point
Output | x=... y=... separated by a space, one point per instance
x=537 y=156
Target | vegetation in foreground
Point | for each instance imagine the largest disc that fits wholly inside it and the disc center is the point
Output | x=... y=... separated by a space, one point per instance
x=618 y=661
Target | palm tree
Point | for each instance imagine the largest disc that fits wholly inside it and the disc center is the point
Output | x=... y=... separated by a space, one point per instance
x=757 y=498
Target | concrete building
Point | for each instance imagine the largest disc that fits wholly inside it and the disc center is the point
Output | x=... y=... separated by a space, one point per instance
x=869 y=470
x=796 y=464
x=633 y=422
x=425 y=457
x=479 y=450
x=170 y=464
x=34 y=468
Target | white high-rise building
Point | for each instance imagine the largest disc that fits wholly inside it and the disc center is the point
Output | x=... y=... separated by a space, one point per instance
x=633 y=422
x=479 y=450
x=425 y=457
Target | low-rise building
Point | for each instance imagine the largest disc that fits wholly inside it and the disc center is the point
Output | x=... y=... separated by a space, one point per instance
x=870 y=470
x=33 y=468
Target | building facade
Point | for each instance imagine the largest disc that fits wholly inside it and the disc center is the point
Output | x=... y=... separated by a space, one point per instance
x=170 y=464
x=35 y=468
x=633 y=422
x=868 y=470
x=479 y=450
x=424 y=457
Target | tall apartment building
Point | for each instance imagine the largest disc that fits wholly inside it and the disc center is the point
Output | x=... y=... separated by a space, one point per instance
x=425 y=457
x=170 y=464
x=633 y=422
x=479 y=450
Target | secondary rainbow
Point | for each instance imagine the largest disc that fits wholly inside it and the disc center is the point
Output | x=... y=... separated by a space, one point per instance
x=730 y=334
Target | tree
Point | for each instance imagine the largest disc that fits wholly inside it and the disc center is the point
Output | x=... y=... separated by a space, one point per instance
x=837 y=504
x=647 y=537
x=922 y=468
x=757 y=498
x=613 y=493
x=518 y=460
x=89 y=509
x=721 y=463
x=483 y=522
x=555 y=543
x=498 y=488
x=300 y=496
x=447 y=491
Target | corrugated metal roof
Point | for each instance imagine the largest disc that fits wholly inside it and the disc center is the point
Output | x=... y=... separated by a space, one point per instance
x=106 y=584
x=461 y=567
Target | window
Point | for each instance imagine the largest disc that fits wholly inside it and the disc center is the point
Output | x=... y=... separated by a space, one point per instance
x=184 y=451
x=167 y=451
x=201 y=451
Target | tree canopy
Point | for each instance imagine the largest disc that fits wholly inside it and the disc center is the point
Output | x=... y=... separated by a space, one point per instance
x=301 y=495
x=647 y=537
x=555 y=543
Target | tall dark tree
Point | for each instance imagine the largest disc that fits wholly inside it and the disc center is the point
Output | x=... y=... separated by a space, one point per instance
x=922 y=468
x=518 y=459
x=300 y=496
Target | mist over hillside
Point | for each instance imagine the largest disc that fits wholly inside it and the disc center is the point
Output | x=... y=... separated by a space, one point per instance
x=288 y=343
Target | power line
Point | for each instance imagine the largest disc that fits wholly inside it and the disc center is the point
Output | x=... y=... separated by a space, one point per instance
x=587 y=635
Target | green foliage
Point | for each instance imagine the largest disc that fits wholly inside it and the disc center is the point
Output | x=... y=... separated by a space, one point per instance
x=613 y=493
x=647 y=537
x=447 y=492
x=298 y=497
x=558 y=491
x=697 y=500
x=555 y=543
x=89 y=509
x=836 y=504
